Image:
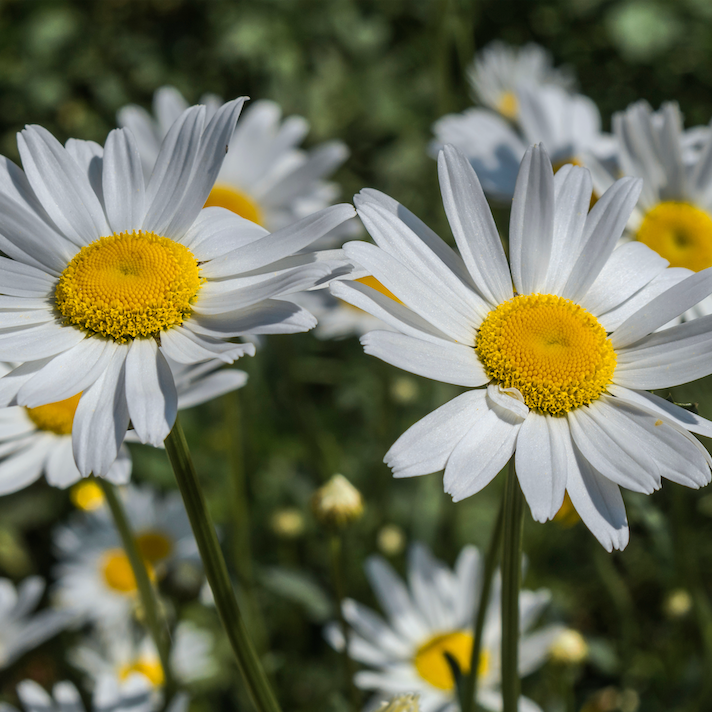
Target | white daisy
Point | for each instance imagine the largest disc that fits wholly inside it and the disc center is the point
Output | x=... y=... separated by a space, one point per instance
x=433 y=616
x=20 y=630
x=94 y=577
x=568 y=125
x=500 y=69
x=107 y=276
x=38 y=440
x=265 y=177
x=673 y=215
x=122 y=654
x=563 y=339
x=132 y=695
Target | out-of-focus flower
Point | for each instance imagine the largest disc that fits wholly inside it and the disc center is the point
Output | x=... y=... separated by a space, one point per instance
x=567 y=516
x=428 y=618
x=677 y=604
x=265 y=177
x=39 y=440
x=94 y=577
x=569 y=648
x=107 y=276
x=401 y=703
x=565 y=339
x=337 y=503
x=288 y=523
x=87 y=495
x=20 y=629
x=391 y=540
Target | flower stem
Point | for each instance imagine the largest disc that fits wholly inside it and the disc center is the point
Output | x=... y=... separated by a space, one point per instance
x=511 y=582
x=470 y=691
x=216 y=571
x=336 y=547
x=149 y=600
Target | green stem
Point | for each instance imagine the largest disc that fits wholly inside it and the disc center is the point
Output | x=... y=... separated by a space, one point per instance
x=511 y=582
x=470 y=691
x=336 y=546
x=216 y=571
x=149 y=600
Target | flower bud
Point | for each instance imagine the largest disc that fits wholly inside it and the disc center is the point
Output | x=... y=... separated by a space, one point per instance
x=569 y=648
x=337 y=503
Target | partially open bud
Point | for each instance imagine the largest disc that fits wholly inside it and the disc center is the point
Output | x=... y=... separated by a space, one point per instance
x=401 y=703
x=337 y=503
x=569 y=648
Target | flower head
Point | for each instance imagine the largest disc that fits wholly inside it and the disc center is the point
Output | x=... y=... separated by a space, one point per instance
x=565 y=339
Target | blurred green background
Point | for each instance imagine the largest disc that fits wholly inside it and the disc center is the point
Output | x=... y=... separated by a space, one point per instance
x=375 y=74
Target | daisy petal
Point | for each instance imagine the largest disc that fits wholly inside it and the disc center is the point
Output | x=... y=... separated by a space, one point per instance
x=23 y=468
x=61 y=470
x=37 y=342
x=444 y=362
x=212 y=386
x=122 y=182
x=184 y=346
x=150 y=392
x=22 y=280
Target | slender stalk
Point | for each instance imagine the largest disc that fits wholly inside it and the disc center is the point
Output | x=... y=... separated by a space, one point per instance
x=511 y=583
x=216 y=571
x=470 y=691
x=149 y=600
x=336 y=547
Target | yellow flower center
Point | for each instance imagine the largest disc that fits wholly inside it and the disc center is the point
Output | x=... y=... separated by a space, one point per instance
x=679 y=232
x=55 y=417
x=508 y=105
x=150 y=669
x=567 y=515
x=117 y=572
x=551 y=350
x=86 y=495
x=154 y=546
x=432 y=665
x=128 y=285
x=224 y=196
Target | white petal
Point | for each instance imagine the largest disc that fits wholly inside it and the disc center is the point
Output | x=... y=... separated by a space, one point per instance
x=12 y=381
x=217 y=231
x=185 y=346
x=150 y=392
x=531 y=223
x=120 y=471
x=212 y=386
x=604 y=227
x=122 y=182
x=25 y=467
x=444 y=362
x=373 y=628
x=541 y=463
x=61 y=470
x=62 y=187
x=21 y=280
x=426 y=446
x=89 y=156
x=38 y=342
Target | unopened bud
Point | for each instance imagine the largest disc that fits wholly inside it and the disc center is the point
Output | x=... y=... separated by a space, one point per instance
x=337 y=503
x=569 y=648
x=401 y=703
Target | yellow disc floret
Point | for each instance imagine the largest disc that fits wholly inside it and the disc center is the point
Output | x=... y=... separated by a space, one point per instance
x=154 y=546
x=432 y=665
x=87 y=495
x=56 y=417
x=128 y=285
x=551 y=350
x=508 y=105
x=679 y=232
x=149 y=668
x=117 y=572
x=225 y=196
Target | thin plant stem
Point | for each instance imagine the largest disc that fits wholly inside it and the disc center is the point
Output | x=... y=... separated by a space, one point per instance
x=216 y=571
x=157 y=626
x=337 y=573
x=470 y=690
x=511 y=583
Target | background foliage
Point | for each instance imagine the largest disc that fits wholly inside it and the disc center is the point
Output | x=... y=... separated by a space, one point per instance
x=376 y=74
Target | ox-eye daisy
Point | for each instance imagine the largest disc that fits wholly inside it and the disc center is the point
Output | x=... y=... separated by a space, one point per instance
x=433 y=616
x=565 y=339
x=107 y=275
x=265 y=177
x=673 y=215
x=38 y=440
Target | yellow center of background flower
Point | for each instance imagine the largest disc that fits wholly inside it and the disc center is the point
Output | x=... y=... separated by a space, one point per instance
x=679 y=232
x=55 y=417
x=224 y=196
x=117 y=572
x=128 y=285
x=551 y=350
x=432 y=665
x=508 y=105
x=567 y=515
x=153 y=546
x=150 y=669
x=87 y=495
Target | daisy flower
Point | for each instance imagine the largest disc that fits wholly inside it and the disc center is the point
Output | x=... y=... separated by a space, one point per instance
x=568 y=125
x=20 y=630
x=38 y=440
x=673 y=215
x=500 y=69
x=133 y=695
x=559 y=347
x=265 y=177
x=94 y=577
x=108 y=275
x=432 y=616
